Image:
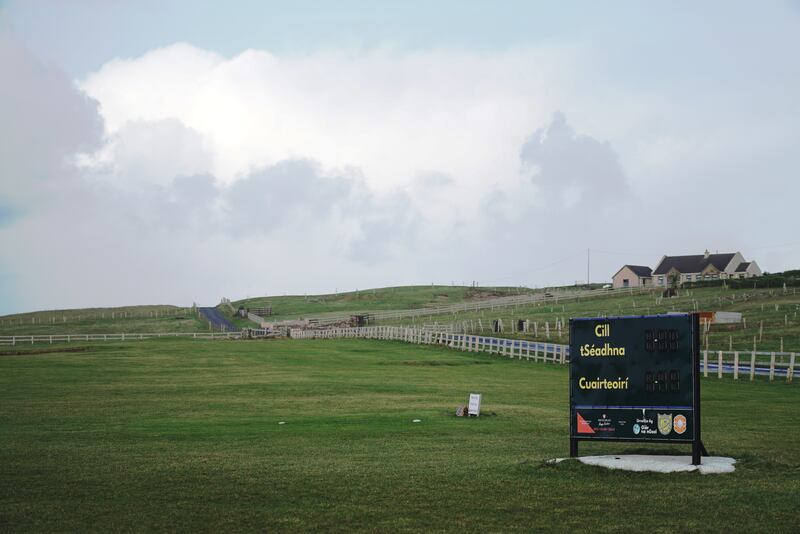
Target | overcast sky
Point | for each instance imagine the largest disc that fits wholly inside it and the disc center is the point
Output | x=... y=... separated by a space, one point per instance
x=170 y=152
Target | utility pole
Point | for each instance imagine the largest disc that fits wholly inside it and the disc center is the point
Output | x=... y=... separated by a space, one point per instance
x=587 y=266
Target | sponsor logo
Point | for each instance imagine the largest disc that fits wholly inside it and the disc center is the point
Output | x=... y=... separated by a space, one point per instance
x=665 y=423
x=583 y=426
x=636 y=429
x=679 y=424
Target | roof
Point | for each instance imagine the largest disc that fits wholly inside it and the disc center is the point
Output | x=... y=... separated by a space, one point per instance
x=693 y=264
x=640 y=270
x=743 y=267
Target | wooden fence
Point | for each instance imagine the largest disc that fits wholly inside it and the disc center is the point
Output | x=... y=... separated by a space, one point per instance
x=736 y=363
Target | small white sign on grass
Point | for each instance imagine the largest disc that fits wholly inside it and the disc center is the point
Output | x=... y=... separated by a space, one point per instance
x=474 y=404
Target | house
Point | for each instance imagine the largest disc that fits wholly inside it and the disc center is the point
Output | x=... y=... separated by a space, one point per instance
x=700 y=267
x=633 y=276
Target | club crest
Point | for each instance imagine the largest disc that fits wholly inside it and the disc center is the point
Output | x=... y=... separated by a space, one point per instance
x=665 y=423
x=679 y=423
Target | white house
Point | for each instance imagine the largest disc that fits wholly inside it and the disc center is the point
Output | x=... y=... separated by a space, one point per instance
x=705 y=266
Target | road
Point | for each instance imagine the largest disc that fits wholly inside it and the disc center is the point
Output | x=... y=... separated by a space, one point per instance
x=218 y=320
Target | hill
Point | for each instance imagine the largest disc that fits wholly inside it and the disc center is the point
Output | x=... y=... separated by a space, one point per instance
x=133 y=319
x=769 y=306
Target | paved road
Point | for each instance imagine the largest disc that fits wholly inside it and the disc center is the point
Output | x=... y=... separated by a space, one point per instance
x=217 y=320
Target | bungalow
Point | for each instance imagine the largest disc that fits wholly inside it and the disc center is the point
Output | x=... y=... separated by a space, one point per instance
x=703 y=267
x=633 y=276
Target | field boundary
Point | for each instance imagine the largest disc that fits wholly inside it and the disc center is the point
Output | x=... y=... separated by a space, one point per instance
x=737 y=363
x=123 y=336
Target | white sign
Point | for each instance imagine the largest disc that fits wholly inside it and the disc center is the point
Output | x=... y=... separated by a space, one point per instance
x=474 y=404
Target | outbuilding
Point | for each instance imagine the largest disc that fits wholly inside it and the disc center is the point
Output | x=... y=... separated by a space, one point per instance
x=633 y=276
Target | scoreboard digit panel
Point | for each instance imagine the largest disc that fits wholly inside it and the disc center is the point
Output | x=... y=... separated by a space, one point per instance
x=634 y=378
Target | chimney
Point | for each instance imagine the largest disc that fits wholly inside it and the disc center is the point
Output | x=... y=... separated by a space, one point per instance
x=705 y=255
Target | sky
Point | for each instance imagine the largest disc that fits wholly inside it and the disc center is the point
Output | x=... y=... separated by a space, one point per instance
x=175 y=152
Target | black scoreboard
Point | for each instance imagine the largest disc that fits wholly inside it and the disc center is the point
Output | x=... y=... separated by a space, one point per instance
x=635 y=379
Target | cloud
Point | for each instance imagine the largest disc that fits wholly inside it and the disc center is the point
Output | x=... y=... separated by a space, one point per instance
x=570 y=169
x=143 y=153
x=391 y=114
x=183 y=175
x=46 y=121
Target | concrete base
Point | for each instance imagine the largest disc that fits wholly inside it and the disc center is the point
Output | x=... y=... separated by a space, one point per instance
x=659 y=463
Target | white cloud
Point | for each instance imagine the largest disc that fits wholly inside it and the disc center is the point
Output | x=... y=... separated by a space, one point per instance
x=183 y=175
x=390 y=114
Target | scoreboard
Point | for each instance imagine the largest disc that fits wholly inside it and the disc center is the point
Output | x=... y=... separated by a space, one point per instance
x=635 y=379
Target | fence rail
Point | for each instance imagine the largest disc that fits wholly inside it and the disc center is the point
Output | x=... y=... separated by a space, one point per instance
x=738 y=363
x=69 y=338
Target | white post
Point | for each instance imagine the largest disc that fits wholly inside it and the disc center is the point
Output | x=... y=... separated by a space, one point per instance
x=705 y=363
x=736 y=365
x=719 y=365
x=772 y=367
x=790 y=370
x=753 y=365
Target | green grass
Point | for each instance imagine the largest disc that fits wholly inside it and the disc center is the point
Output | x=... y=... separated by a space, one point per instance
x=128 y=319
x=184 y=435
x=387 y=298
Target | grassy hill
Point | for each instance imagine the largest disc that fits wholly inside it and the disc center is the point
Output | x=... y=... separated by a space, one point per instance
x=134 y=319
x=378 y=299
x=770 y=312
x=186 y=436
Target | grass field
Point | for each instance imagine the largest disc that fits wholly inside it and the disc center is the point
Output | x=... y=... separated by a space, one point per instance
x=386 y=298
x=138 y=319
x=185 y=435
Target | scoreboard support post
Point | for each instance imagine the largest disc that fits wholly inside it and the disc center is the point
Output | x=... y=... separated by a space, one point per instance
x=697 y=445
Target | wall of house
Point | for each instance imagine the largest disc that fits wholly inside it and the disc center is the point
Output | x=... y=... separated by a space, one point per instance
x=753 y=270
x=633 y=279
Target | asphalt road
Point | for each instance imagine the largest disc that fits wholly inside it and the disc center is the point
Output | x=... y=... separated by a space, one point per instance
x=217 y=320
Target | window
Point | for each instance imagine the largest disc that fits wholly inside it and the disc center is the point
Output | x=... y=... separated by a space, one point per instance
x=625 y=282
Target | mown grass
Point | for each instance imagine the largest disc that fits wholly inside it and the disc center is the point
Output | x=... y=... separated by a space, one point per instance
x=185 y=435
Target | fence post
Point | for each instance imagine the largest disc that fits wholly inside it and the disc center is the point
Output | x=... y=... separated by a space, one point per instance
x=705 y=363
x=790 y=370
x=753 y=365
x=719 y=366
x=772 y=366
x=736 y=365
